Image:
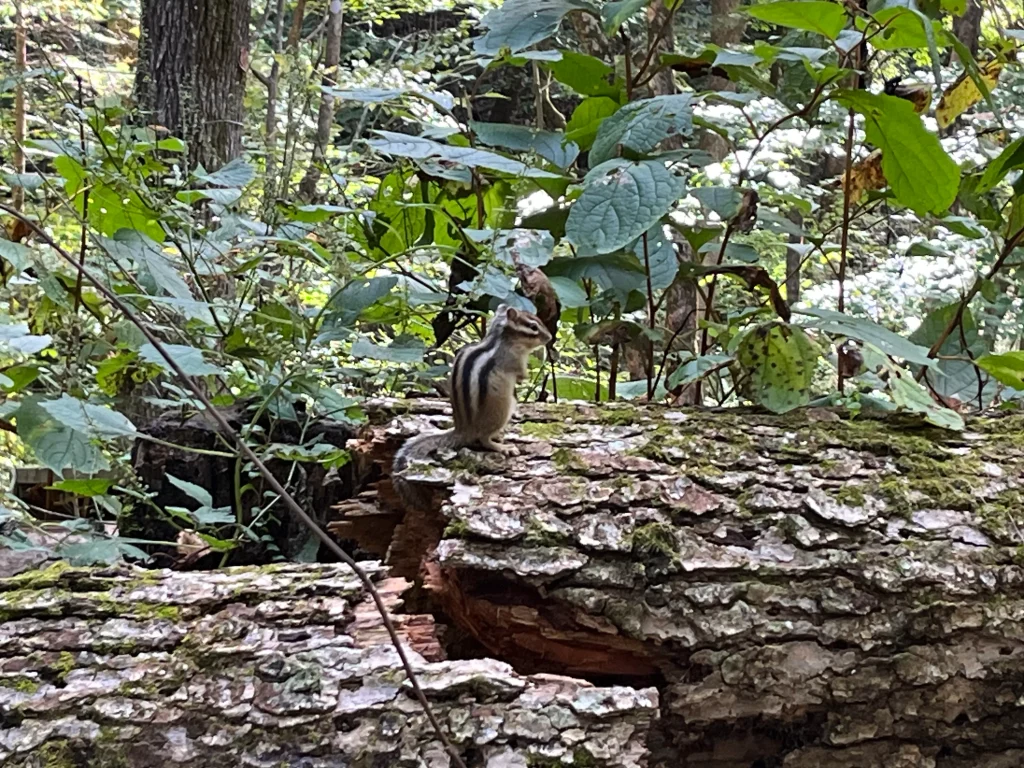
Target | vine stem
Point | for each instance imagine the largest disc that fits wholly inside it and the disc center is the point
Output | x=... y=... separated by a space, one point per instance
x=272 y=481
x=845 y=238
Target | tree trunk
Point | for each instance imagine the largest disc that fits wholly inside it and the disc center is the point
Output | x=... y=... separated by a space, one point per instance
x=325 y=115
x=802 y=590
x=193 y=58
x=967 y=28
x=727 y=29
x=286 y=666
x=20 y=65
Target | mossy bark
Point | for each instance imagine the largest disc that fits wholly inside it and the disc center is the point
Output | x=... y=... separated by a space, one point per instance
x=272 y=666
x=801 y=589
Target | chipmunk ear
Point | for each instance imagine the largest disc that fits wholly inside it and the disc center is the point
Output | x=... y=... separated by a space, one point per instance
x=503 y=310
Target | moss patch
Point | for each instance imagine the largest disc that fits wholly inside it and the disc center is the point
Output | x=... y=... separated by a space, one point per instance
x=654 y=539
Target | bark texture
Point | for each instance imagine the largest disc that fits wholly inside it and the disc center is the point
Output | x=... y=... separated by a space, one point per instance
x=193 y=58
x=285 y=666
x=803 y=590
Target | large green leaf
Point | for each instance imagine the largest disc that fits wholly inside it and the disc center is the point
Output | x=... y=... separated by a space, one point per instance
x=616 y=272
x=696 y=369
x=616 y=13
x=621 y=201
x=189 y=359
x=16 y=337
x=404 y=349
x=903 y=28
x=780 y=360
x=959 y=378
x=868 y=331
x=17 y=255
x=518 y=24
x=661 y=255
x=724 y=201
x=154 y=265
x=825 y=18
x=111 y=207
x=237 y=173
x=1010 y=159
x=532 y=247
x=642 y=125
x=521 y=138
x=587 y=119
x=909 y=394
x=88 y=418
x=418 y=148
x=922 y=176
x=344 y=307
x=57 y=445
x=587 y=75
x=1007 y=368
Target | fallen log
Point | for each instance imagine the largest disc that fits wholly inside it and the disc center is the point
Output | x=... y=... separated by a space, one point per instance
x=266 y=667
x=803 y=590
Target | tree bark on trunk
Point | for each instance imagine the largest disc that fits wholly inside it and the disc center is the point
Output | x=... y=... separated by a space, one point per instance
x=325 y=115
x=193 y=59
x=967 y=28
x=802 y=590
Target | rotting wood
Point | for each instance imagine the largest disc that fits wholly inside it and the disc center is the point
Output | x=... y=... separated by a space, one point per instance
x=271 y=666
x=809 y=590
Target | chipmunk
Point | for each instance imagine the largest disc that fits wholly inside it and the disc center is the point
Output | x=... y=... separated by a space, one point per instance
x=483 y=393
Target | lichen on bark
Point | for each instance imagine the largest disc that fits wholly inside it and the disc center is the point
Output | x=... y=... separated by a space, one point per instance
x=802 y=589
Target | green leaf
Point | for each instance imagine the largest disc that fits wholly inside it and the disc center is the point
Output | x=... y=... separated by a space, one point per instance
x=404 y=349
x=345 y=307
x=780 y=360
x=697 y=369
x=620 y=201
x=586 y=75
x=618 y=12
x=19 y=377
x=725 y=201
x=521 y=138
x=150 y=258
x=205 y=516
x=642 y=125
x=17 y=255
x=193 y=491
x=661 y=254
x=57 y=445
x=518 y=24
x=1010 y=159
x=909 y=394
x=87 y=418
x=1007 y=368
x=613 y=271
x=314 y=214
x=237 y=173
x=868 y=331
x=569 y=293
x=189 y=358
x=16 y=338
x=92 y=486
x=418 y=148
x=28 y=181
x=902 y=28
x=922 y=176
x=825 y=18
x=587 y=119
x=532 y=247
x=962 y=225
x=91 y=552
x=172 y=144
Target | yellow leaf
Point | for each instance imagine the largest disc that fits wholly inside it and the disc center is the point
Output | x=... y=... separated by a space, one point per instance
x=865 y=176
x=964 y=94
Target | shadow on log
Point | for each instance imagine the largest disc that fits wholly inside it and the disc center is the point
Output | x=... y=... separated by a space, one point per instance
x=803 y=590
